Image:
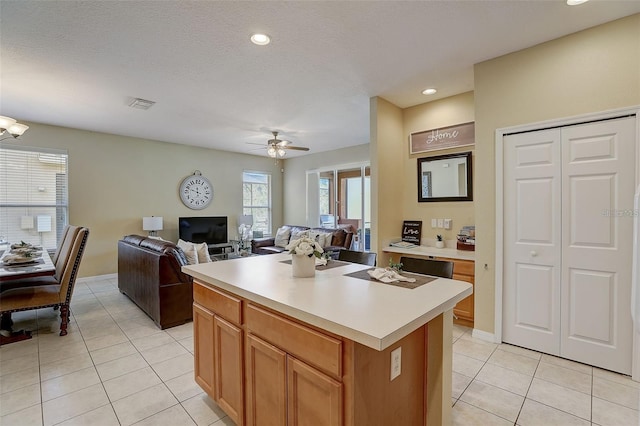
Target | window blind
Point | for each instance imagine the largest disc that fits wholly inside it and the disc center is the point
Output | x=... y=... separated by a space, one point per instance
x=34 y=199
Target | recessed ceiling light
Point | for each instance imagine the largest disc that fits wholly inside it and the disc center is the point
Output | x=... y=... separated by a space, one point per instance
x=576 y=2
x=260 y=39
x=430 y=91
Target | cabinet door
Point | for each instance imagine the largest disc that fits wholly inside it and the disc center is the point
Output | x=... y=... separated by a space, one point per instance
x=203 y=348
x=313 y=398
x=266 y=383
x=464 y=308
x=228 y=369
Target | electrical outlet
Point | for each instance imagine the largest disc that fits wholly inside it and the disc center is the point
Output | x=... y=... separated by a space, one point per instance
x=434 y=223
x=447 y=224
x=440 y=223
x=396 y=362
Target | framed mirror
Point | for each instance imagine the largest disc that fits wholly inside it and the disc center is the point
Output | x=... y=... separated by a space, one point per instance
x=445 y=178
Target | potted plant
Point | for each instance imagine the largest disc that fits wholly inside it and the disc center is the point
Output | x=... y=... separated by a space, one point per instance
x=440 y=241
x=303 y=253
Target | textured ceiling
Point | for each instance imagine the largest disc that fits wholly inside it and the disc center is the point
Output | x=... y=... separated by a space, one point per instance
x=78 y=64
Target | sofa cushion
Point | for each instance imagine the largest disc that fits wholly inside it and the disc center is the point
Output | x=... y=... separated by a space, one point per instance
x=190 y=251
x=282 y=236
x=339 y=237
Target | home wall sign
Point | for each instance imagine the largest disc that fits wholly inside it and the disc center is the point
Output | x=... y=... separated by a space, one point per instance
x=442 y=138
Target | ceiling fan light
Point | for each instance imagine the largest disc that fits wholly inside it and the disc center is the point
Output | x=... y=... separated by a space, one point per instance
x=6 y=122
x=282 y=152
x=17 y=129
x=272 y=152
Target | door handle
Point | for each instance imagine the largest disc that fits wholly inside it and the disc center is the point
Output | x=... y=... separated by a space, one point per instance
x=533 y=253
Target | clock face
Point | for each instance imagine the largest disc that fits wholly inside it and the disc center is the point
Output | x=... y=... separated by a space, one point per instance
x=196 y=192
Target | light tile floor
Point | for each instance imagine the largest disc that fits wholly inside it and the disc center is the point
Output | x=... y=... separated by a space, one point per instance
x=115 y=367
x=500 y=384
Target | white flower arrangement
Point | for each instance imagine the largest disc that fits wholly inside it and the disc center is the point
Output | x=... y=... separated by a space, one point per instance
x=305 y=246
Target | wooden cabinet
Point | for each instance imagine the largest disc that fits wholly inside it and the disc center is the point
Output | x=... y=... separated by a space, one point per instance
x=266 y=383
x=218 y=344
x=282 y=389
x=313 y=398
x=463 y=270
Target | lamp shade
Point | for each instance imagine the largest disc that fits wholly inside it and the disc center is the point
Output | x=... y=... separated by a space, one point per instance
x=17 y=129
x=152 y=223
x=245 y=219
x=6 y=122
x=44 y=223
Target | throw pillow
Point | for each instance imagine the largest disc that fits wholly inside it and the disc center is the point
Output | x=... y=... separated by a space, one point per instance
x=299 y=234
x=203 y=252
x=282 y=237
x=325 y=239
x=189 y=250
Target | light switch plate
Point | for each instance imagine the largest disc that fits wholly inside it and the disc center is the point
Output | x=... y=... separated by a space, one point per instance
x=440 y=223
x=434 y=223
x=447 y=224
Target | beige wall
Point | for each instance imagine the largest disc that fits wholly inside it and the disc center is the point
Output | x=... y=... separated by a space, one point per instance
x=387 y=185
x=295 y=178
x=590 y=71
x=441 y=113
x=114 y=181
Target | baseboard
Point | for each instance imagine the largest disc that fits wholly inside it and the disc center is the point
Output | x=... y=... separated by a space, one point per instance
x=98 y=277
x=483 y=335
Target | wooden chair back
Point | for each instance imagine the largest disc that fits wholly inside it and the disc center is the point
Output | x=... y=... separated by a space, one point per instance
x=436 y=268
x=362 y=257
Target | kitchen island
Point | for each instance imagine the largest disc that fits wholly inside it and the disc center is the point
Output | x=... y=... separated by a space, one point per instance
x=273 y=349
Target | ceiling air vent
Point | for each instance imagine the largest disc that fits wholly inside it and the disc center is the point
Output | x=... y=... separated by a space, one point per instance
x=141 y=103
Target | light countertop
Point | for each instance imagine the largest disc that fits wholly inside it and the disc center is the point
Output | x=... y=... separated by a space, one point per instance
x=368 y=312
x=433 y=251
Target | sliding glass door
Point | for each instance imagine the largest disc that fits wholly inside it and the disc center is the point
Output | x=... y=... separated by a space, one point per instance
x=340 y=197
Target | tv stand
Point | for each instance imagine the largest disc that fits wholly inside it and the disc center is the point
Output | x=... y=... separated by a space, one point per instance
x=221 y=248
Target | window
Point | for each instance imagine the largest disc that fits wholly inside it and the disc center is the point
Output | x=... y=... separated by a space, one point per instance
x=256 y=199
x=33 y=195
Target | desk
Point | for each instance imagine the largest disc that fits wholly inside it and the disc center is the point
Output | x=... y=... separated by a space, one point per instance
x=334 y=332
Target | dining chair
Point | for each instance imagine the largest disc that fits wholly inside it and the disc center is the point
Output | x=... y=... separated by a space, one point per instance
x=365 y=258
x=50 y=291
x=63 y=237
x=437 y=268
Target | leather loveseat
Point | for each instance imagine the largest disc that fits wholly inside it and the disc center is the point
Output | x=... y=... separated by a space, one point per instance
x=340 y=239
x=149 y=273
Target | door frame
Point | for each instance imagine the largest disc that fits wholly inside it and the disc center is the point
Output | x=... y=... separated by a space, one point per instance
x=499 y=223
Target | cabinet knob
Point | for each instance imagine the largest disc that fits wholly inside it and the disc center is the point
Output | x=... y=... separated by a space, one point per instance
x=533 y=253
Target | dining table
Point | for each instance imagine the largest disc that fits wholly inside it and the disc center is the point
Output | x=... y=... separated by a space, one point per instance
x=16 y=276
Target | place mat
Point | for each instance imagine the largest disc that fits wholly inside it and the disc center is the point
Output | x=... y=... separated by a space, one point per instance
x=330 y=264
x=420 y=279
x=22 y=264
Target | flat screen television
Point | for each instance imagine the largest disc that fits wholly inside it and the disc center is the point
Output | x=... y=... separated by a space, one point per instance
x=203 y=229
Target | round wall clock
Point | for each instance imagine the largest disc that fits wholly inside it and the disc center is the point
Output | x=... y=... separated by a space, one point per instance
x=196 y=191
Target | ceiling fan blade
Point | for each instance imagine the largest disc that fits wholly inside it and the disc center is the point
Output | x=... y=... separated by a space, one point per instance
x=259 y=144
x=297 y=148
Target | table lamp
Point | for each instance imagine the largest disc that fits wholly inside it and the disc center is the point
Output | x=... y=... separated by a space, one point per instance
x=153 y=224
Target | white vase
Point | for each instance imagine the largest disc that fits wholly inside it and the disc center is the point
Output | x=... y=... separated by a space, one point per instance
x=303 y=266
x=439 y=244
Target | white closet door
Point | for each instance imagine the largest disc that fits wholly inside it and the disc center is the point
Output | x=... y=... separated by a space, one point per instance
x=598 y=169
x=531 y=283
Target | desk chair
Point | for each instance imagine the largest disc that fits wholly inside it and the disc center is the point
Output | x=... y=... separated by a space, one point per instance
x=364 y=258
x=50 y=291
x=436 y=268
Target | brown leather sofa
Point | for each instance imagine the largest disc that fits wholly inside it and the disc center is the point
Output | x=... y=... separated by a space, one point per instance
x=341 y=239
x=149 y=273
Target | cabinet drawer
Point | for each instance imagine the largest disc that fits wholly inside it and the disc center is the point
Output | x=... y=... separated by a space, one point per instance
x=463 y=267
x=220 y=303
x=315 y=348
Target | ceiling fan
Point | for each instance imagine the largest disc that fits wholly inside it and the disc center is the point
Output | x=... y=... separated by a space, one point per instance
x=277 y=148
